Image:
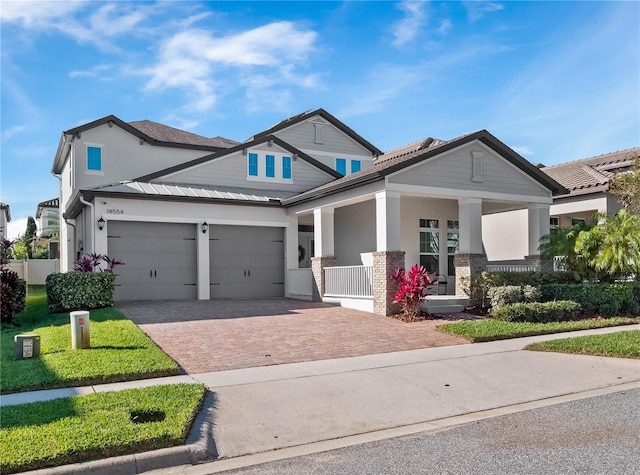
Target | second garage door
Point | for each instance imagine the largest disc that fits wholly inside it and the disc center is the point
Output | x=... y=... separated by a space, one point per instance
x=246 y=261
x=160 y=260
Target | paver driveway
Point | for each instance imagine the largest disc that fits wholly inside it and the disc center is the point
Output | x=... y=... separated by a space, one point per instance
x=218 y=335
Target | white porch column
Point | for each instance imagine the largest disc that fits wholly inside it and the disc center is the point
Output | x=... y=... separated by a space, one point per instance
x=202 y=243
x=538 y=225
x=388 y=221
x=323 y=232
x=470 y=219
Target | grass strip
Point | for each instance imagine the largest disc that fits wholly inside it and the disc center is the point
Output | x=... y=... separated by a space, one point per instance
x=624 y=344
x=80 y=428
x=490 y=329
x=119 y=351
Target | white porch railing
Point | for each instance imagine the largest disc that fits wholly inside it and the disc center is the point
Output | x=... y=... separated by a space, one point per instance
x=348 y=281
x=301 y=282
x=512 y=268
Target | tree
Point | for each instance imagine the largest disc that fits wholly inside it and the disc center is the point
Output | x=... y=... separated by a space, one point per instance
x=20 y=250
x=30 y=235
x=626 y=186
x=613 y=245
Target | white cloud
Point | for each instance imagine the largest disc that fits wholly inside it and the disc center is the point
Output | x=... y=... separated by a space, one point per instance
x=477 y=9
x=525 y=151
x=258 y=59
x=408 y=28
x=445 y=26
x=11 y=131
x=95 y=72
x=16 y=227
x=36 y=14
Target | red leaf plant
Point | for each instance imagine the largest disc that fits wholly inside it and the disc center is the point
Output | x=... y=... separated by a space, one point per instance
x=412 y=289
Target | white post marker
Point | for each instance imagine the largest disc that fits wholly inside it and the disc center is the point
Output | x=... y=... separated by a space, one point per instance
x=80 y=335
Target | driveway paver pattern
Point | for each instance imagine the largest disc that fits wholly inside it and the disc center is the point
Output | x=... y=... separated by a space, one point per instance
x=218 y=335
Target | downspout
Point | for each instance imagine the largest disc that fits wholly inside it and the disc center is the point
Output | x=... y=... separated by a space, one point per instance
x=92 y=220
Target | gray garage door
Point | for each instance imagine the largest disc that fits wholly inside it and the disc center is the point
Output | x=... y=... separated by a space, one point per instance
x=160 y=260
x=246 y=261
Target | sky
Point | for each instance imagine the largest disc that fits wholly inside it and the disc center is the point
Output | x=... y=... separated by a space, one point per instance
x=556 y=81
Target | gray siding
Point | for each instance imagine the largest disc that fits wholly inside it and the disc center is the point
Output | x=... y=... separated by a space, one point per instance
x=334 y=141
x=123 y=158
x=454 y=169
x=232 y=171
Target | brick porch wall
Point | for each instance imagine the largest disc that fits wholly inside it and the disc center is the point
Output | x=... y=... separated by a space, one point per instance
x=384 y=288
x=317 y=269
x=545 y=265
x=468 y=265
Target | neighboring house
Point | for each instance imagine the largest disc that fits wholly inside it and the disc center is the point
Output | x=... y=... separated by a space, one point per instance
x=202 y=218
x=588 y=181
x=5 y=218
x=47 y=220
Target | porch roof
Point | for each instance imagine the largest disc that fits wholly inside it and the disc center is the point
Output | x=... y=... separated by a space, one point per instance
x=422 y=150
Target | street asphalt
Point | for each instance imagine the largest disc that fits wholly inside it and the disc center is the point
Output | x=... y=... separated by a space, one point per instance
x=257 y=415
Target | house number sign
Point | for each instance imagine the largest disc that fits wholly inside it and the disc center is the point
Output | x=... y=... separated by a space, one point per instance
x=115 y=211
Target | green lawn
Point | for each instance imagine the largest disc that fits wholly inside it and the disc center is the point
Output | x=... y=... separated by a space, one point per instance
x=119 y=351
x=79 y=428
x=489 y=329
x=624 y=344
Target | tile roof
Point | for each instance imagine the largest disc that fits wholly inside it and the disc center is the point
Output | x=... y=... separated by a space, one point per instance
x=165 y=133
x=593 y=174
x=52 y=203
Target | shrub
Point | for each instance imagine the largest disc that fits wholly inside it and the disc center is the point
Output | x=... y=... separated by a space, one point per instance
x=540 y=312
x=601 y=299
x=412 y=289
x=13 y=289
x=79 y=291
x=534 y=279
x=507 y=294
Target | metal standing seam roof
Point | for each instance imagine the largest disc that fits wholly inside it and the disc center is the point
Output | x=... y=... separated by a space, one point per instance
x=178 y=190
x=592 y=173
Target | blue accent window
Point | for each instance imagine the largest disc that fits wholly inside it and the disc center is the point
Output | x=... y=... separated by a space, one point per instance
x=271 y=166
x=286 y=167
x=253 y=164
x=341 y=166
x=355 y=166
x=94 y=158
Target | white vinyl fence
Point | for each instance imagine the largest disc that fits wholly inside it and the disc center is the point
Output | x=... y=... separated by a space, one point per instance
x=35 y=271
x=300 y=283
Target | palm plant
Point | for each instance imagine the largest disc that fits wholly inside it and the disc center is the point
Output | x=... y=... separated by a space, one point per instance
x=616 y=241
x=562 y=242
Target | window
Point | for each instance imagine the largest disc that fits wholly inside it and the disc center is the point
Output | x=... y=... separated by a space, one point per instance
x=554 y=222
x=355 y=166
x=286 y=167
x=576 y=221
x=271 y=166
x=94 y=158
x=430 y=245
x=477 y=172
x=341 y=166
x=253 y=164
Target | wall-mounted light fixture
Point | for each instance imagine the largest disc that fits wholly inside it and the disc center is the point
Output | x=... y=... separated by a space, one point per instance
x=101 y=222
x=205 y=227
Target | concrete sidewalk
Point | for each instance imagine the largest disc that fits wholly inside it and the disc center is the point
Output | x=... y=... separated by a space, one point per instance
x=258 y=410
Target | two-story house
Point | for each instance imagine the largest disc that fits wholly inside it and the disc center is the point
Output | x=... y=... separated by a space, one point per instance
x=199 y=218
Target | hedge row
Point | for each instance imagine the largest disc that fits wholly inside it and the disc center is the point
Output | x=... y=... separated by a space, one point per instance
x=597 y=299
x=79 y=291
x=539 y=312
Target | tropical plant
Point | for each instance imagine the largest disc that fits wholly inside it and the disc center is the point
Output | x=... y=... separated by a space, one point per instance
x=562 y=242
x=613 y=245
x=412 y=289
x=12 y=288
x=92 y=262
